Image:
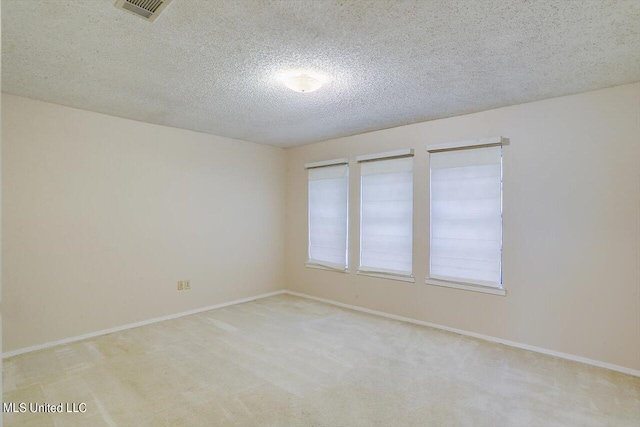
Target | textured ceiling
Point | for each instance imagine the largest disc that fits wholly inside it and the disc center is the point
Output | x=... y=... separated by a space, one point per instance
x=212 y=66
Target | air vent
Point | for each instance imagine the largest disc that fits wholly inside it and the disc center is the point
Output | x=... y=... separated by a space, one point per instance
x=146 y=9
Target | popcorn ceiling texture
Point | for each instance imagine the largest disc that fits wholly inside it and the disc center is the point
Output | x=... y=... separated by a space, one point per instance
x=212 y=66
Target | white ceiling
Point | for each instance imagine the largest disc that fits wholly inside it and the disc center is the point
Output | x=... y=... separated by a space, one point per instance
x=212 y=66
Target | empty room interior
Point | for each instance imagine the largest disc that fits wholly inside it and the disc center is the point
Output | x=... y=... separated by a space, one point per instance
x=320 y=213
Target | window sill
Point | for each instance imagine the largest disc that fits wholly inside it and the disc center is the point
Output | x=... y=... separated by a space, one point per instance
x=466 y=286
x=410 y=279
x=322 y=267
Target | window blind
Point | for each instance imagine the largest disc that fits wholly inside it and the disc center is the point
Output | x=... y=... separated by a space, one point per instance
x=328 y=221
x=466 y=215
x=386 y=216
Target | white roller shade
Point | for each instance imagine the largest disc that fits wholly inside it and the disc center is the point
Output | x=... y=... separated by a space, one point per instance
x=386 y=216
x=328 y=208
x=466 y=215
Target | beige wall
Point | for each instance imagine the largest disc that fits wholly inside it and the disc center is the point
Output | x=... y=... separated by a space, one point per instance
x=571 y=226
x=102 y=216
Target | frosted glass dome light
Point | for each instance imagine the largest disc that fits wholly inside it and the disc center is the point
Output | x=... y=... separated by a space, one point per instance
x=303 y=83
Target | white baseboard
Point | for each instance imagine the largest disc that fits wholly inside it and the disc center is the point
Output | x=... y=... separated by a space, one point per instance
x=572 y=357
x=559 y=354
x=136 y=324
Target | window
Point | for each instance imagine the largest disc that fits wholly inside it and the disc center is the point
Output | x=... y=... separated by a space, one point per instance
x=466 y=213
x=386 y=215
x=328 y=214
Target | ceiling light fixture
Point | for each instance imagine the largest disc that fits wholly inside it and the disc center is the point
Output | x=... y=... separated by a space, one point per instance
x=303 y=82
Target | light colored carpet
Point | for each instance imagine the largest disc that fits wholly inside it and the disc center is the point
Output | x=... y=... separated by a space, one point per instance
x=295 y=362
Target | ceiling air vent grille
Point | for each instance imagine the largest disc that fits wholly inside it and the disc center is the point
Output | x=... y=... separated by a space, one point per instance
x=146 y=9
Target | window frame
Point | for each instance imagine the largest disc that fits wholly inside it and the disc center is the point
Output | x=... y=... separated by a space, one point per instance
x=381 y=272
x=318 y=264
x=460 y=284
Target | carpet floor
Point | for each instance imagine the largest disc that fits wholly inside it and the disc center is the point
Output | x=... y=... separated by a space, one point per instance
x=289 y=361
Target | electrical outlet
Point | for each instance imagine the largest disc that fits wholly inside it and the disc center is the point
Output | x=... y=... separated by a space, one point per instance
x=180 y=285
x=187 y=285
